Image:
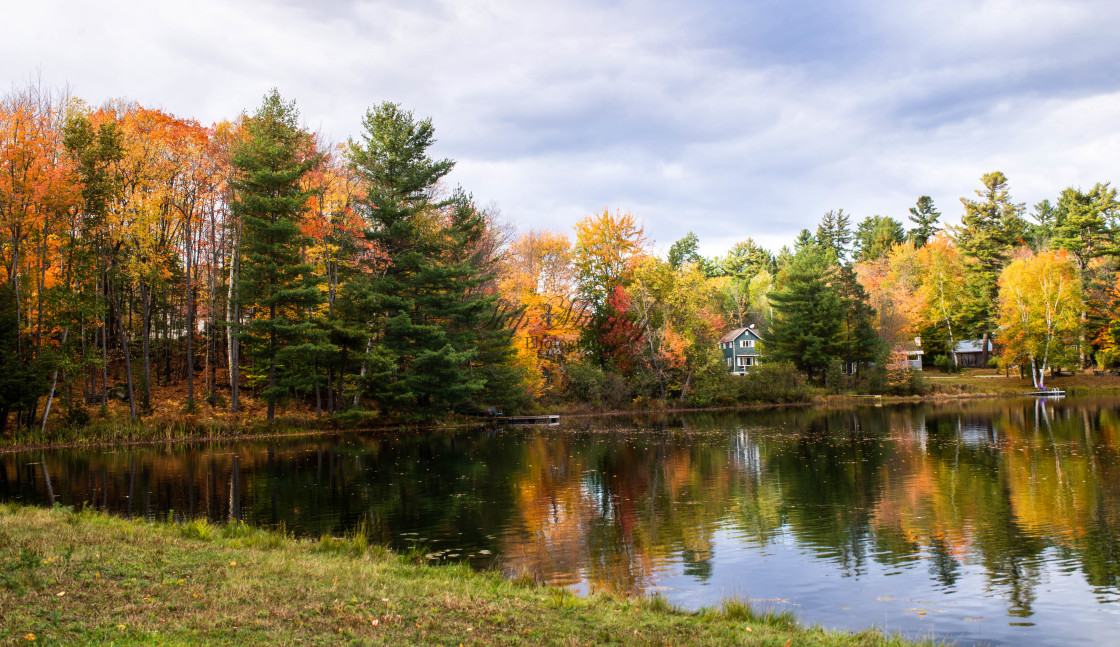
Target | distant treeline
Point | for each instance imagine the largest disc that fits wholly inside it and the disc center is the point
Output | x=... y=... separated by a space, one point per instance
x=143 y=251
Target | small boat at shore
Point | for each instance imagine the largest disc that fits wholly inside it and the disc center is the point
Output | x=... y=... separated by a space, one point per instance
x=1047 y=393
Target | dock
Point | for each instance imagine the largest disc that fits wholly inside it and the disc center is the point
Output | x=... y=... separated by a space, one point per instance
x=551 y=420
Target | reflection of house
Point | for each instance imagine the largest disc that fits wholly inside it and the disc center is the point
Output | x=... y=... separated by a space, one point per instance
x=740 y=349
x=970 y=352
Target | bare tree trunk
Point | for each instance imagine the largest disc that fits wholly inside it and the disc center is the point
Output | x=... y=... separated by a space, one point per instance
x=54 y=383
x=358 y=393
x=127 y=359
x=271 y=363
x=104 y=338
x=1081 y=339
x=233 y=324
x=984 y=350
x=189 y=294
x=211 y=343
x=146 y=297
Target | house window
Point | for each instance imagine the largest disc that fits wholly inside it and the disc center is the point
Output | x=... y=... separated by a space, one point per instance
x=728 y=362
x=745 y=362
x=746 y=343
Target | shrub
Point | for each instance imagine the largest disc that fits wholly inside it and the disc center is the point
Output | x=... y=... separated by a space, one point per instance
x=945 y=363
x=591 y=384
x=712 y=388
x=773 y=383
x=834 y=375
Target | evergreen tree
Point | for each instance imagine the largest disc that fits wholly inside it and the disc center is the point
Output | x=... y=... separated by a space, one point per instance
x=808 y=313
x=834 y=234
x=1081 y=223
x=1081 y=227
x=924 y=216
x=803 y=241
x=684 y=251
x=275 y=281
x=744 y=260
x=1045 y=215
x=989 y=228
x=431 y=327
x=876 y=235
x=860 y=344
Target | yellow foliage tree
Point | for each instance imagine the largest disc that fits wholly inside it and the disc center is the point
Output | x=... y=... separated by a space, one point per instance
x=537 y=276
x=1039 y=308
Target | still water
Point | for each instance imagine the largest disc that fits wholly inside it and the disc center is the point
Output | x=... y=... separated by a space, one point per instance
x=992 y=522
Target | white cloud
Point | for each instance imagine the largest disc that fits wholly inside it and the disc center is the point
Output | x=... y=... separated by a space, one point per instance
x=727 y=119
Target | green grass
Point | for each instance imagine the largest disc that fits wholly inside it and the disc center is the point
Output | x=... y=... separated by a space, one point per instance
x=995 y=383
x=86 y=578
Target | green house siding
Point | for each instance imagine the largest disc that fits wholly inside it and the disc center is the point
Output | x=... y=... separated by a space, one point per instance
x=740 y=348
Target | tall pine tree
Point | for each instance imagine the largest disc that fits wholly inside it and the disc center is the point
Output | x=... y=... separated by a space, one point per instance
x=924 y=216
x=430 y=325
x=989 y=228
x=808 y=313
x=276 y=283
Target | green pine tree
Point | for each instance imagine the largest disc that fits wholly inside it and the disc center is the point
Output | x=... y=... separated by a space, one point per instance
x=876 y=235
x=990 y=227
x=924 y=216
x=808 y=313
x=834 y=234
x=860 y=344
x=435 y=336
x=276 y=283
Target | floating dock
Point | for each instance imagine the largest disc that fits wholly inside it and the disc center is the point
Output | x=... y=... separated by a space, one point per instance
x=1045 y=394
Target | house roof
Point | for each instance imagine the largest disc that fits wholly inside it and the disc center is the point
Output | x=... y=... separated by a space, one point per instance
x=972 y=346
x=734 y=334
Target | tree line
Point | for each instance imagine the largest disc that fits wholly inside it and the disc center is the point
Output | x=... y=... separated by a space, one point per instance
x=148 y=256
x=142 y=250
x=841 y=305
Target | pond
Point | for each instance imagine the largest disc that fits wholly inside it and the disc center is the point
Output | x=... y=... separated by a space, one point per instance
x=993 y=522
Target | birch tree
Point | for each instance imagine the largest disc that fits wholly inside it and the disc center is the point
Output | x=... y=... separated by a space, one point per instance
x=1039 y=306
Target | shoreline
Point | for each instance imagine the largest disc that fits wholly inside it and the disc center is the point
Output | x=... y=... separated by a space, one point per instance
x=82 y=577
x=169 y=432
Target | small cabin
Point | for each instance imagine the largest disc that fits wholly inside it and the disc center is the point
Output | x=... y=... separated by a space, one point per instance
x=741 y=349
x=970 y=352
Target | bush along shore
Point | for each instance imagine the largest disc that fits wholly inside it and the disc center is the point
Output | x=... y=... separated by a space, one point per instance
x=765 y=387
x=83 y=577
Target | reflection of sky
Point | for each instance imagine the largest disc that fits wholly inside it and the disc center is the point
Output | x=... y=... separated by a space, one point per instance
x=782 y=575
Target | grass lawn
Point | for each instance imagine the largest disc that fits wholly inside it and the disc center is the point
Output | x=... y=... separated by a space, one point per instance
x=992 y=382
x=87 y=578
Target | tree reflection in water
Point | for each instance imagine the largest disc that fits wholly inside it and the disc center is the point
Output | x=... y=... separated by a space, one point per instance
x=1001 y=488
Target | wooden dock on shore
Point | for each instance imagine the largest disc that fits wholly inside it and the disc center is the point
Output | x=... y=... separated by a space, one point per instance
x=551 y=420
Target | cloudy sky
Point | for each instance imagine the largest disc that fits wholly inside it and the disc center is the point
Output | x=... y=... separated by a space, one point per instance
x=729 y=119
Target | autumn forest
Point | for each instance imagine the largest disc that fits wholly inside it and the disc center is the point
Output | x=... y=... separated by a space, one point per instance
x=251 y=266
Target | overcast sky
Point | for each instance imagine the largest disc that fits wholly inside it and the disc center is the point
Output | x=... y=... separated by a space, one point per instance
x=729 y=119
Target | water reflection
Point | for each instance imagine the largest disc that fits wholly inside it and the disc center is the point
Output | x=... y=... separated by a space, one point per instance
x=1001 y=514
